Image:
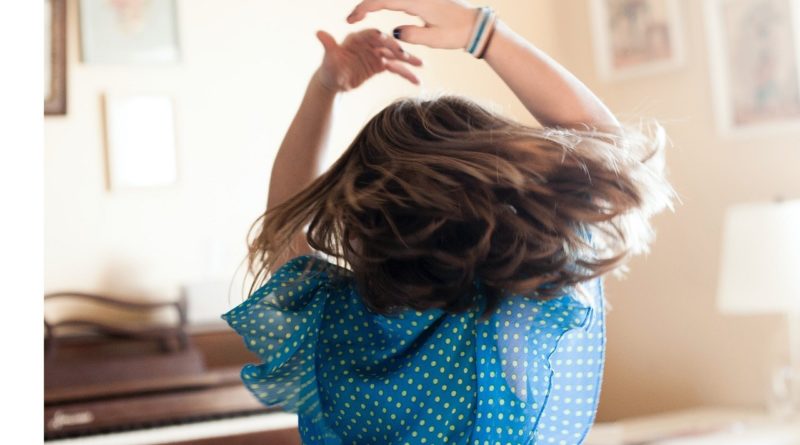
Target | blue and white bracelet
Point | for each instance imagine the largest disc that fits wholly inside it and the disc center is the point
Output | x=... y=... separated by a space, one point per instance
x=482 y=33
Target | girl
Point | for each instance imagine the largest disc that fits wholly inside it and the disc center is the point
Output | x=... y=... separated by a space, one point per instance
x=446 y=288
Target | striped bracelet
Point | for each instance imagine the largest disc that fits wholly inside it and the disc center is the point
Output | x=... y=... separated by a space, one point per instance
x=484 y=28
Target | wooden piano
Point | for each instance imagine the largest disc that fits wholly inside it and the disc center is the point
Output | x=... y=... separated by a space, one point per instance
x=151 y=385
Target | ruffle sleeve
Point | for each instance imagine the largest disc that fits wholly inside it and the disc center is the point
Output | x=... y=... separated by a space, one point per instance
x=279 y=323
x=531 y=352
x=577 y=372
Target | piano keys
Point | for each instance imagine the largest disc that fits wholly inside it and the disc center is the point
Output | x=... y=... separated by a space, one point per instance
x=144 y=389
x=257 y=429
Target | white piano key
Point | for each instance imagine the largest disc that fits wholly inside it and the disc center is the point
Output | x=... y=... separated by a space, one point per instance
x=188 y=431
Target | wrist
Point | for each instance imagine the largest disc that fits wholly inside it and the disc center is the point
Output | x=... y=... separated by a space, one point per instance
x=321 y=81
x=482 y=32
x=472 y=16
x=499 y=33
x=484 y=51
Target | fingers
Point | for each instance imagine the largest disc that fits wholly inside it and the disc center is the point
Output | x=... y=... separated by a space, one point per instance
x=365 y=7
x=417 y=35
x=401 y=70
x=387 y=54
x=327 y=40
x=384 y=41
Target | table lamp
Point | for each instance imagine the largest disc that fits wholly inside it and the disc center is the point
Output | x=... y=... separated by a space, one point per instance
x=760 y=274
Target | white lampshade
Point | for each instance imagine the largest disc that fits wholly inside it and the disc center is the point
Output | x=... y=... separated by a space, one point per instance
x=760 y=269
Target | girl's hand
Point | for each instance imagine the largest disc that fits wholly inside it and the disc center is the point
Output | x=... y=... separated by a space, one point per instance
x=448 y=23
x=360 y=56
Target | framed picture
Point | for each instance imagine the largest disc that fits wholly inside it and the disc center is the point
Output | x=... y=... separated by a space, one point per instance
x=754 y=48
x=636 y=37
x=129 y=31
x=140 y=139
x=55 y=57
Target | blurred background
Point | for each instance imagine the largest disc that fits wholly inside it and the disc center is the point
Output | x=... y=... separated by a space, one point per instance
x=163 y=119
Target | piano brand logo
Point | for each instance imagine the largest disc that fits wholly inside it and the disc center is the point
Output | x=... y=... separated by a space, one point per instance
x=61 y=419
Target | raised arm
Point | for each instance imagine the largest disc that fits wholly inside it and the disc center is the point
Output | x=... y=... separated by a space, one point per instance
x=297 y=163
x=344 y=67
x=553 y=95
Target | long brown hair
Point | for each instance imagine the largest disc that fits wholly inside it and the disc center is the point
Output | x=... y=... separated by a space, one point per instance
x=438 y=200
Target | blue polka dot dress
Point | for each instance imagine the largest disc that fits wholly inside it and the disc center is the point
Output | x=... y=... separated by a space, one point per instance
x=530 y=374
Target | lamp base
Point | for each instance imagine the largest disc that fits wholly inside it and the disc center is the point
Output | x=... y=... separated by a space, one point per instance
x=784 y=403
x=785 y=389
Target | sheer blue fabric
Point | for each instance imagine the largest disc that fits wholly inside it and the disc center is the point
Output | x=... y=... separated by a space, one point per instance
x=529 y=374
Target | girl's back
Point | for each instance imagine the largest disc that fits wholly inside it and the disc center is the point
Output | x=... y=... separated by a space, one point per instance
x=441 y=281
x=531 y=369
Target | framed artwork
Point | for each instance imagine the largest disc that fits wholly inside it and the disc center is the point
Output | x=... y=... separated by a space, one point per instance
x=754 y=48
x=140 y=139
x=636 y=37
x=129 y=31
x=55 y=57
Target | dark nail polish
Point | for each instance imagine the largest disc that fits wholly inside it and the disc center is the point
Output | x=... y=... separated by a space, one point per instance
x=396 y=33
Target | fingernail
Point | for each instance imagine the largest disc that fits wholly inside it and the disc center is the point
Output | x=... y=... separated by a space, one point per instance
x=396 y=33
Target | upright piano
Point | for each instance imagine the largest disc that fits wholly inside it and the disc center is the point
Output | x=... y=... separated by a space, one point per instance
x=154 y=387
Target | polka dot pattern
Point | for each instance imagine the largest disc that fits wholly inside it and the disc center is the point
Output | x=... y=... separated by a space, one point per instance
x=528 y=374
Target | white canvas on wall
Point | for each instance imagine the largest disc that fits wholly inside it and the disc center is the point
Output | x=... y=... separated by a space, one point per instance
x=129 y=31
x=636 y=37
x=140 y=132
x=754 y=48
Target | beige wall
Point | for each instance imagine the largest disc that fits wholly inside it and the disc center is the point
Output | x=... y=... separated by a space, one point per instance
x=244 y=70
x=668 y=347
x=245 y=64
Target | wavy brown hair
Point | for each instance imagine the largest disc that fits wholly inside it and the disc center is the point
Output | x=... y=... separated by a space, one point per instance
x=438 y=200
